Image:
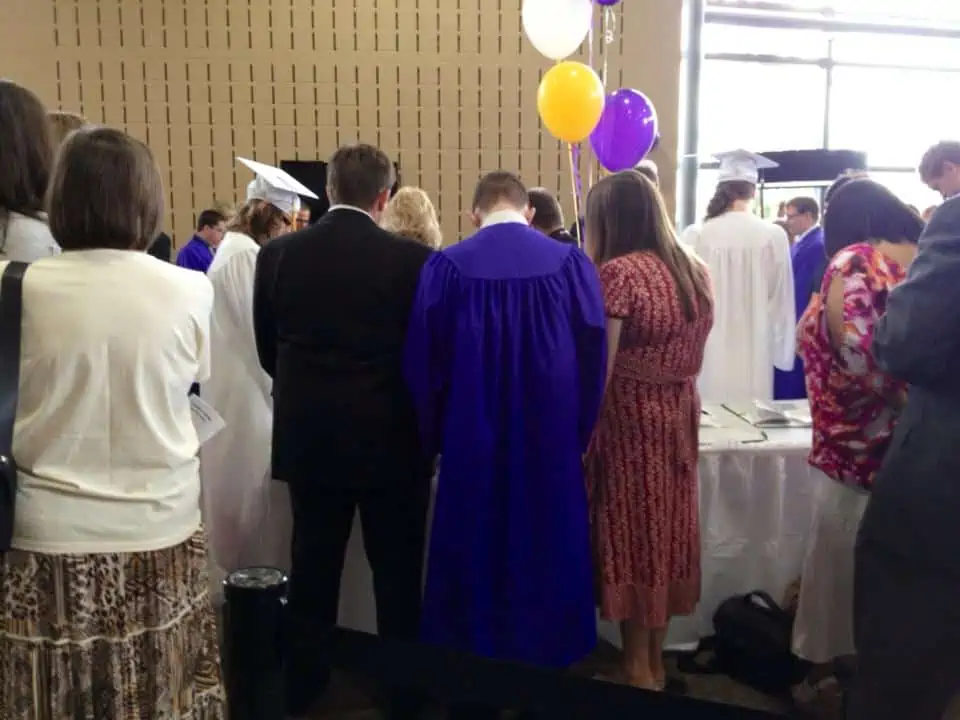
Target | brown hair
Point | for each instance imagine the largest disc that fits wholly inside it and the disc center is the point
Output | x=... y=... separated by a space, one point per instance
x=260 y=220
x=499 y=186
x=26 y=152
x=626 y=214
x=547 y=213
x=727 y=193
x=933 y=160
x=410 y=214
x=357 y=175
x=63 y=123
x=106 y=192
x=805 y=206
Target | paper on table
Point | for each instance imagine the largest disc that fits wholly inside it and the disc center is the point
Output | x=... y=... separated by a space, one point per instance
x=206 y=421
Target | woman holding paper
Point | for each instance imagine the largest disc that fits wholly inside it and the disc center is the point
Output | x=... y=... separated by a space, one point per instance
x=247 y=514
x=871 y=238
x=104 y=605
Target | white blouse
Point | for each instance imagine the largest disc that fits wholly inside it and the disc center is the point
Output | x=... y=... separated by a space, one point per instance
x=25 y=239
x=104 y=440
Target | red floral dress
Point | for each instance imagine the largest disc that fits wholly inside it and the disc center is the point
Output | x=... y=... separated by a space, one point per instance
x=850 y=397
x=642 y=463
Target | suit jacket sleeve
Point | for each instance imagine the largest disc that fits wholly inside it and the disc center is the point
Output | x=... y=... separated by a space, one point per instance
x=916 y=340
x=264 y=316
x=427 y=355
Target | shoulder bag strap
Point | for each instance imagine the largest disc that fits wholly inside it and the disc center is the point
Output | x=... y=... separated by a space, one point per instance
x=11 y=304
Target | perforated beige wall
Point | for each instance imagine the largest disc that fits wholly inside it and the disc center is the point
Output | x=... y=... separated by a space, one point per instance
x=446 y=87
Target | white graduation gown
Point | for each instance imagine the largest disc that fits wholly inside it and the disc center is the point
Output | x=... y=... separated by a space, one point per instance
x=247 y=515
x=754 y=315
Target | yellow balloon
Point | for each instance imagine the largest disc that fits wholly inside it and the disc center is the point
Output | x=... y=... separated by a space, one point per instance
x=570 y=100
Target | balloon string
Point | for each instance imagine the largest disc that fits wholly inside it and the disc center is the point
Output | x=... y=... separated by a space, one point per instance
x=574 y=152
x=590 y=58
x=609 y=31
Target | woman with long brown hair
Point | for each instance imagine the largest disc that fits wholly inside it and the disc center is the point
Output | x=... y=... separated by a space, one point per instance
x=642 y=463
x=26 y=164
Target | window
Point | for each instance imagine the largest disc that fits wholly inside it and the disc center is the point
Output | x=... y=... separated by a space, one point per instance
x=907 y=187
x=761 y=107
x=802 y=44
x=899 y=50
x=892 y=115
x=931 y=10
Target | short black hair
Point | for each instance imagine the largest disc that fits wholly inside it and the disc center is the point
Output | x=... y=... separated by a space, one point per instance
x=864 y=210
x=500 y=186
x=548 y=216
x=841 y=180
x=358 y=174
x=805 y=206
x=209 y=218
x=933 y=160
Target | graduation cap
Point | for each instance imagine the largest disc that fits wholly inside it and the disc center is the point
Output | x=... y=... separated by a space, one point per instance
x=742 y=165
x=276 y=187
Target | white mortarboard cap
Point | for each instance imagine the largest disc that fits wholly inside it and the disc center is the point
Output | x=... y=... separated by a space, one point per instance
x=742 y=165
x=276 y=187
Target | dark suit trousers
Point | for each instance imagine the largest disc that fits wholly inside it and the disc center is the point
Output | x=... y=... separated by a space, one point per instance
x=393 y=520
x=907 y=631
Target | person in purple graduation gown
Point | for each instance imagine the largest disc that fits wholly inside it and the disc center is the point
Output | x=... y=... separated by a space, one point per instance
x=197 y=254
x=506 y=361
x=806 y=256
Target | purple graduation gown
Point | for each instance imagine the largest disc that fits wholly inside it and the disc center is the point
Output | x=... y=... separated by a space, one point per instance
x=506 y=361
x=195 y=255
x=806 y=256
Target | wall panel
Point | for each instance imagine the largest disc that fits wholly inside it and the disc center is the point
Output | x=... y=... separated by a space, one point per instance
x=446 y=87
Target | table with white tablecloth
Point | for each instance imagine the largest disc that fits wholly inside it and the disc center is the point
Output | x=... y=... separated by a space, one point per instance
x=756 y=504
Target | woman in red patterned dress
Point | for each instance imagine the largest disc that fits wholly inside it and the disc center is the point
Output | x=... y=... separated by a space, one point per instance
x=642 y=464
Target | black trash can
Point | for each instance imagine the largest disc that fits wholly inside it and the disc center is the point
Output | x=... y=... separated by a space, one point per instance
x=253 y=621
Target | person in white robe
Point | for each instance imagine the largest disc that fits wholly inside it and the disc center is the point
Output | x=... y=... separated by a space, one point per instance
x=749 y=260
x=246 y=513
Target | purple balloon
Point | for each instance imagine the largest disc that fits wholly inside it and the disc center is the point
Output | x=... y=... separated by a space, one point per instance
x=627 y=130
x=607 y=3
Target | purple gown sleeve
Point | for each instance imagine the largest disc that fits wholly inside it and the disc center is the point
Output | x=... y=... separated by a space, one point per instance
x=590 y=327
x=428 y=354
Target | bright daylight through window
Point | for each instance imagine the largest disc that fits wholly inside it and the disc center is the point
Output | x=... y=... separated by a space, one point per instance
x=835 y=74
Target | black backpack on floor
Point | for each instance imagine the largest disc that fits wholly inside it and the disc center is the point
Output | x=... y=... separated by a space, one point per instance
x=751 y=644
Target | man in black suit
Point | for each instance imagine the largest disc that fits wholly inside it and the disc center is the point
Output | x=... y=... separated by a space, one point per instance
x=331 y=304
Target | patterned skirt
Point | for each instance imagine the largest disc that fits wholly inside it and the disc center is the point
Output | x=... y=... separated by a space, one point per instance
x=116 y=636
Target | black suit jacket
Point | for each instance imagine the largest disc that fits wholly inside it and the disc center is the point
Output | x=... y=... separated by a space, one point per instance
x=330 y=308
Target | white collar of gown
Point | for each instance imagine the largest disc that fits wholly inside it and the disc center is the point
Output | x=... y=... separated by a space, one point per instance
x=501 y=217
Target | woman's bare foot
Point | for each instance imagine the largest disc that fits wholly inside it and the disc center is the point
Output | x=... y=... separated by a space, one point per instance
x=644 y=680
x=659 y=671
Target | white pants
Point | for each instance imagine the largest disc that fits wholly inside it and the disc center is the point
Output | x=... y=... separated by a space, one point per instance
x=823 y=629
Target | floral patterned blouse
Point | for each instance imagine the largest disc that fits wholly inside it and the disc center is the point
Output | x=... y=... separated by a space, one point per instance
x=851 y=399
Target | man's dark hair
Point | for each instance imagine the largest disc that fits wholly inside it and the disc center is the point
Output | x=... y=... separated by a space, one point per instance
x=805 y=206
x=548 y=216
x=841 y=180
x=933 y=160
x=26 y=152
x=648 y=168
x=500 y=186
x=209 y=218
x=357 y=175
x=865 y=211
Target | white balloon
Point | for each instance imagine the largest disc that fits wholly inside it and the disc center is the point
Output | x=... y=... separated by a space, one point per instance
x=557 y=27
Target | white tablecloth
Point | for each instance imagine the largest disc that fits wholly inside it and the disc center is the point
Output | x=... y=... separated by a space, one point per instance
x=756 y=504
